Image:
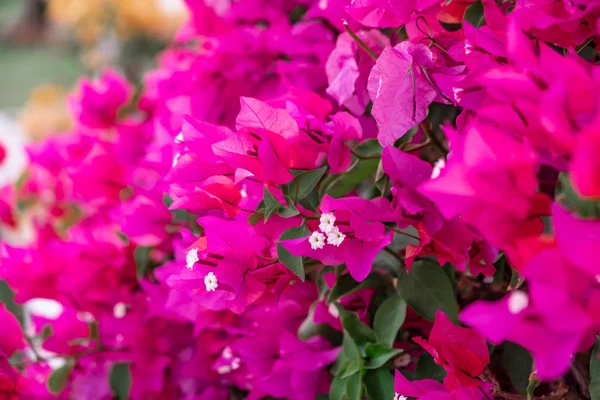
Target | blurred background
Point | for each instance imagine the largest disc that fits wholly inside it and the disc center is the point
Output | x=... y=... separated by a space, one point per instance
x=45 y=45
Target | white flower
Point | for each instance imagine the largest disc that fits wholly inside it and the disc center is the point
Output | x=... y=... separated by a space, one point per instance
x=333 y=310
x=517 y=302
x=398 y=396
x=235 y=363
x=119 y=310
x=317 y=240
x=227 y=353
x=437 y=168
x=335 y=237
x=190 y=258
x=327 y=222
x=211 y=282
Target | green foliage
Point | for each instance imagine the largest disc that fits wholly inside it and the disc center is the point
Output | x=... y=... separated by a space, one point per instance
x=59 y=378
x=427 y=289
x=142 y=259
x=474 y=14
x=388 y=319
x=566 y=194
x=518 y=365
x=120 y=380
x=295 y=264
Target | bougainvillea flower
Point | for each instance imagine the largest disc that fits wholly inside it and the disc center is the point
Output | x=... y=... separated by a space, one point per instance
x=463 y=352
x=401 y=88
x=363 y=234
x=97 y=103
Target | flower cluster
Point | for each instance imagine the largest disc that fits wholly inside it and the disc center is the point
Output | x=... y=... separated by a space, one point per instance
x=306 y=199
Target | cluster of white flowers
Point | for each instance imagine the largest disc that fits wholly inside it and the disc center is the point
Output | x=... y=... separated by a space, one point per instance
x=327 y=227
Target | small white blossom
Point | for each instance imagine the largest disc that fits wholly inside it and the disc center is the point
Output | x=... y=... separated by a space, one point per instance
x=119 y=310
x=327 y=222
x=468 y=47
x=317 y=240
x=335 y=237
x=235 y=363
x=211 y=282
x=437 y=168
x=517 y=302
x=224 y=369
x=227 y=353
x=398 y=396
x=323 y=4
x=190 y=258
x=333 y=310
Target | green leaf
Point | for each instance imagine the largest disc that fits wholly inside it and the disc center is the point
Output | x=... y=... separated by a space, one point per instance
x=255 y=218
x=427 y=289
x=379 y=384
x=271 y=204
x=346 y=285
x=474 y=14
x=94 y=332
x=379 y=354
x=355 y=327
x=289 y=211
x=388 y=319
x=518 y=365
x=343 y=184
x=304 y=182
x=567 y=195
x=595 y=371
x=354 y=367
x=349 y=348
x=354 y=387
x=294 y=263
x=7 y=297
x=120 y=380
x=311 y=202
x=141 y=254
x=338 y=388
x=428 y=369
x=59 y=377
x=47 y=331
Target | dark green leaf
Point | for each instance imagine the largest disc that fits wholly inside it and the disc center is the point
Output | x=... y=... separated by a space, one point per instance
x=120 y=380
x=595 y=371
x=304 y=182
x=311 y=202
x=379 y=384
x=379 y=354
x=427 y=289
x=59 y=377
x=354 y=387
x=349 y=348
x=343 y=184
x=338 y=388
x=346 y=285
x=294 y=263
x=355 y=327
x=94 y=333
x=7 y=297
x=255 y=218
x=142 y=258
x=47 y=331
x=388 y=319
x=271 y=204
x=289 y=211
x=567 y=195
x=354 y=367
x=518 y=365
x=474 y=14
x=428 y=369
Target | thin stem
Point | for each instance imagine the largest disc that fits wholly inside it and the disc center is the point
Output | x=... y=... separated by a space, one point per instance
x=361 y=157
x=393 y=253
x=360 y=42
x=583 y=46
x=405 y=234
x=431 y=136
